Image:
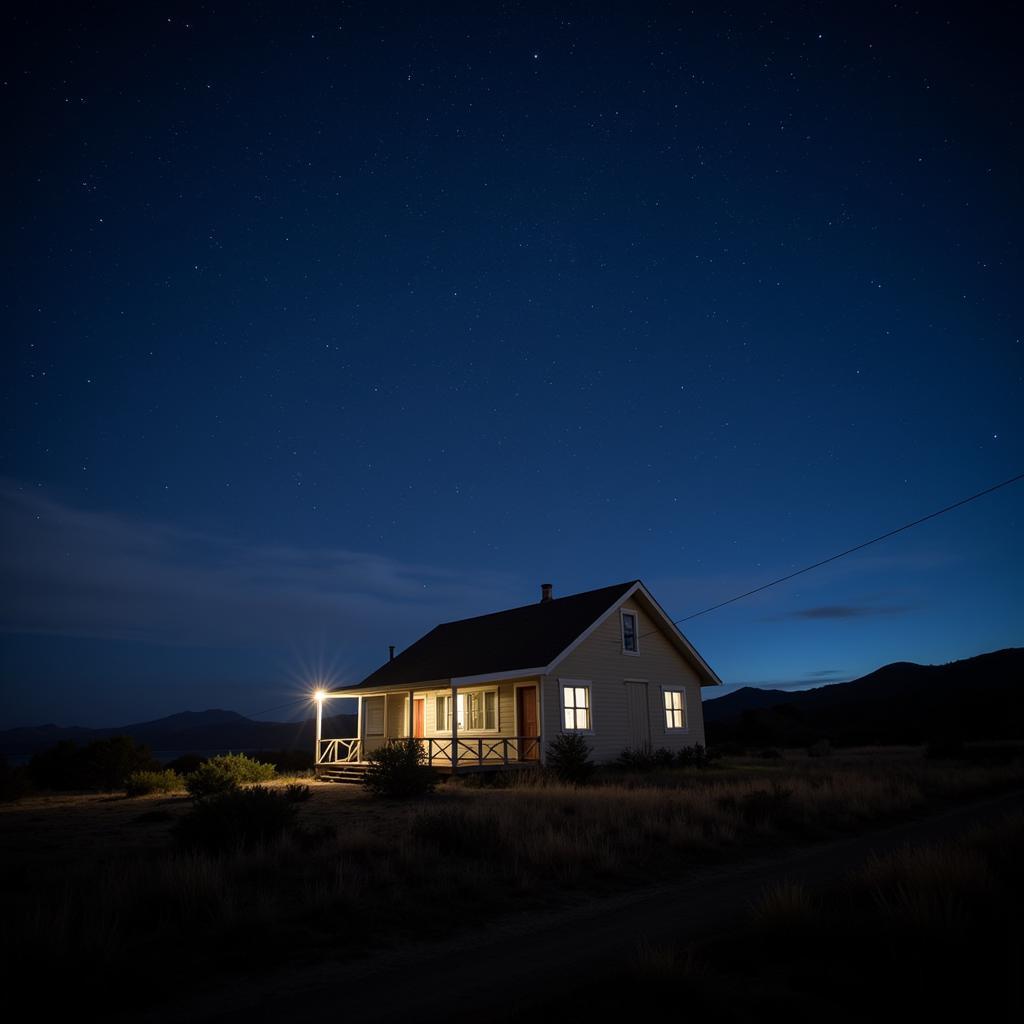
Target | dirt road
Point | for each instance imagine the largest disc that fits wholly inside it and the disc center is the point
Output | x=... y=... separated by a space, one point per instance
x=534 y=950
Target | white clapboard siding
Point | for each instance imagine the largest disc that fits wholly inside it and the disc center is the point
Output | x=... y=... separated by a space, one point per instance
x=601 y=661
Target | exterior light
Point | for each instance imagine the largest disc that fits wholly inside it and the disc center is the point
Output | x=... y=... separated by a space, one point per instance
x=318 y=696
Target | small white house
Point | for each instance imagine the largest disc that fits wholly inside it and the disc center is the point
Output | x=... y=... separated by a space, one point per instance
x=494 y=690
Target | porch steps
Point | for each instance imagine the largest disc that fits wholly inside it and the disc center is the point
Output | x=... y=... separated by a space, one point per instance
x=351 y=774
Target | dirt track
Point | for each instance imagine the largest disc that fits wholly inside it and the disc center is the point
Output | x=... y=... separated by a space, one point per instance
x=538 y=948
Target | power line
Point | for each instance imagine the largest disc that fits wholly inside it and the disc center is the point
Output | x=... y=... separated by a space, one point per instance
x=850 y=551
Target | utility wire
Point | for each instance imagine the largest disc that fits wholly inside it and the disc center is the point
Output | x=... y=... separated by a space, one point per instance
x=849 y=551
x=781 y=579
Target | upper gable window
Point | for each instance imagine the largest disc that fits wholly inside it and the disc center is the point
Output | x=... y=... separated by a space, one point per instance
x=630 y=640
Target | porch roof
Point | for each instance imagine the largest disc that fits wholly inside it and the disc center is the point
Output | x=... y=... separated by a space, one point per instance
x=500 y=642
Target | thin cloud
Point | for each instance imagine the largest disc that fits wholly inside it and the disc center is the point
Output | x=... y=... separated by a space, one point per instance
x=840 y=611
x=847 y=611
x=80 y=573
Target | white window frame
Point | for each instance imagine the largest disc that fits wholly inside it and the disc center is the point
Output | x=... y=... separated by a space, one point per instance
x=683 y=709
x=575 y=684
x=445 y=728
x=623 y=612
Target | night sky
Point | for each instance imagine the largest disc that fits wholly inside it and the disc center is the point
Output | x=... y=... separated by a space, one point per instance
x=327 y=322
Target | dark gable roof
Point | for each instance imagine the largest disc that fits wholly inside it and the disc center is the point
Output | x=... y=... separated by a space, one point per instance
x=526 y=637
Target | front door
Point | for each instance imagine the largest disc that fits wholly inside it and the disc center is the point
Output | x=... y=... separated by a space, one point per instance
x=529 y=729
x=638 y=716
x=419 y=707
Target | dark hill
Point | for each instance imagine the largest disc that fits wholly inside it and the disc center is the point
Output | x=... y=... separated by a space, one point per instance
x=977 y=698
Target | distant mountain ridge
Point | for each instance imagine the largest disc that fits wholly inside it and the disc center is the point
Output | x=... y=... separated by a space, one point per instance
x=976 y=698
x=186 y=731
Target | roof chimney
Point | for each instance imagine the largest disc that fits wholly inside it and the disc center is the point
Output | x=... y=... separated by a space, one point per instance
x=391 y=652
x=545 y=593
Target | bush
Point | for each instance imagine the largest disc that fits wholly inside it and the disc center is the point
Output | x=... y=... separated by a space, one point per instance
x=296 y=794
x=397 y=770
x=693 y=757
x=186 y=764
x=226 y=772
x=569 y=758
x=14 y=781
x=103 y=764
x=642 y=760
x=237 y=818
x=635 y=760
x=820 y=749
x=143 y=783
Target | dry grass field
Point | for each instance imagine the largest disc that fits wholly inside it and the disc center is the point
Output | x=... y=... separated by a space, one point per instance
x=100 y=884
x=924 y=932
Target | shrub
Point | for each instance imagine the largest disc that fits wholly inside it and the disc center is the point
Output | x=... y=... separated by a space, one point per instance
x=770 y=753
x=226 y=772
x=820 y=749
x=641 y=760
x=397 y=770
x=569 y=758
x=103 y=764
x=107 y=763
x=237 y=818
x=693 y=757
x=14 y=781
x=296 y=793
x=143 y=783
x=635 y=760
x=186 y=764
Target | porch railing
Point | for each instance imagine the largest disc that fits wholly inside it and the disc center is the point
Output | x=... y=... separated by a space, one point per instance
x=437 y=750
x=339 y=751
x=478 y=750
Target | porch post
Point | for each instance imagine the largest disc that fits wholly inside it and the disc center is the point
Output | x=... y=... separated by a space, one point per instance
x=412 y=694
x=319 y=727
x=359 y=729
x=455 y=728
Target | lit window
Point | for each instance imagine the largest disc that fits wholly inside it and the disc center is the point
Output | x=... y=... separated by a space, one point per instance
x=629 y=637
x=478 y=712
x=675 y=709
x=576 y=706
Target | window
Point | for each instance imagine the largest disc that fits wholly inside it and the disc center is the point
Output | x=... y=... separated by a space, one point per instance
x=443 y=721
x=478 y=712
x=675 y=709
x=630 y=641
x=576 y=707
x=374 y=716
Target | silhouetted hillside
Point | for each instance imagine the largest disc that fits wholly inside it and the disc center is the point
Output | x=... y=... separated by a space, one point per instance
x=187 y=731
x=977 y=698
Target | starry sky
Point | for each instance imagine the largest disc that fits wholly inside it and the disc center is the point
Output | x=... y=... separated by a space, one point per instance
x=328 y=322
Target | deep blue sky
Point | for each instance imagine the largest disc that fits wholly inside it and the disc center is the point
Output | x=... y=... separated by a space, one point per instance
x=326 y=323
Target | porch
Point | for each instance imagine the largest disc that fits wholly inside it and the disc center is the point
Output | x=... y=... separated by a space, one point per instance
x=484 y=727
x=471 y=754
